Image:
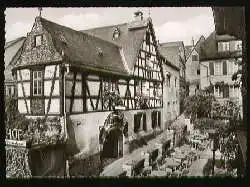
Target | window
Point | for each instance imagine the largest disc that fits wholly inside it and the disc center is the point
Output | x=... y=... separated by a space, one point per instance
x=38 y=40
x=140 y=122
x=37 y=83
x=217 y=91
x=238 y=45
x=194 y=57
x=223 y=46
x=156 y=119
x=168 y=79
x=198 y=71
x=225 y=91
x=175 y=80
x=211 y=68
x=217 y=68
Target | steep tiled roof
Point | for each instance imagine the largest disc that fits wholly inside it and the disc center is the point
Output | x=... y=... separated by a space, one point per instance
x=12 y=50
x=130 y=38
x=176 y=46
x=208 y=49
x=84 y=50
x=171 y=54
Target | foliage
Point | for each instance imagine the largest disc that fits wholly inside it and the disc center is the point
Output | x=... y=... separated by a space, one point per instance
x=112 y=97
x=226 y=110
x=35 y=131
x=208 y=123
x=13 y=119
x=197 y=106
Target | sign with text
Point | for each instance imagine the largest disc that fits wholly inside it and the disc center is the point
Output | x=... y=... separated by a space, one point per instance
x=15 y=143
x=13 y=134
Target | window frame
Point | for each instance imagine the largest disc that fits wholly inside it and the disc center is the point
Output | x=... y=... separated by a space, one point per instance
x=219 y=71
x=36 y=80
x=196 y=58
x=35 y=40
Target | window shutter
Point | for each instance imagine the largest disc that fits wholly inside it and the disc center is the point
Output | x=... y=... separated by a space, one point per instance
x=136 y=123
x=159 y=119
x=226 y=91
x=144 y=122
x=224 y=67
x=153 y=119
x=220 y=46
x=211 y=68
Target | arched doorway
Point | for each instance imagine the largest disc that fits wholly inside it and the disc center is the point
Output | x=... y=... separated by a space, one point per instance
x=112 y=134
x=113 y=144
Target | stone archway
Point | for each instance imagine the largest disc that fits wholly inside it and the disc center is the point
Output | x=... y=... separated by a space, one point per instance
x=111 y=137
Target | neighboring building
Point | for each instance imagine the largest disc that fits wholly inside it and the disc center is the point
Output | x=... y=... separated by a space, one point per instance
x=218 y=56
x=67 y=73
x=171 y=87
x=12 y=50
x=175 y=53
x=193 y=66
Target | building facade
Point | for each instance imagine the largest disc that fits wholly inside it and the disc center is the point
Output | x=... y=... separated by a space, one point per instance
x=193 y=66
x=220 y=56
x=175 y=52
x=74 y=74
x=12 y=50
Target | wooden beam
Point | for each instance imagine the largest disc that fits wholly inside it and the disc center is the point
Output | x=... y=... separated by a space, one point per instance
x=72 y=93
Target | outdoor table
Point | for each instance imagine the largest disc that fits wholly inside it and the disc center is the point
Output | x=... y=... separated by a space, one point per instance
x=158 y=173
x=170 y=163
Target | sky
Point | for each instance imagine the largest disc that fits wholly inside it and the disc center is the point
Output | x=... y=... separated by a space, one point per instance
x=170 y=23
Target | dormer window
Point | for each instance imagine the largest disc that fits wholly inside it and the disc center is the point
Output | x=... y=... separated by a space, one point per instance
x=38 y=40
x=223 y=46
x=116 y=33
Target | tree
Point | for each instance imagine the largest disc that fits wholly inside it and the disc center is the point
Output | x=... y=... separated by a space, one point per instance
x=198 y=106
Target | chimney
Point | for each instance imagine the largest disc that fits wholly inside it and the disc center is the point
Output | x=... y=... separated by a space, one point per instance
x=138 y=16
x=192 y=42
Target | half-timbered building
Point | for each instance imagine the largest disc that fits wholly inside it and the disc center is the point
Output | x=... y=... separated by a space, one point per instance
x=71 y=74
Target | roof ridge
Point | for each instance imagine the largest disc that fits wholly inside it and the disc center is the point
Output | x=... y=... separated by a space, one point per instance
x=79 y=32
x=99 y=27
x=10 y=43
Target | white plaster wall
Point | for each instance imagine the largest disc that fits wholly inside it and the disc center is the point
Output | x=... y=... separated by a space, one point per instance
x=19 y=90
x=93 y=87
x=87 y=133
x=170 y=94
x=77 y=105
x=122 y=89
x=49 y=71
x=47 y=87
x=25 y=74
x=22 y=106
x=54 y=106
x=78 y=88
